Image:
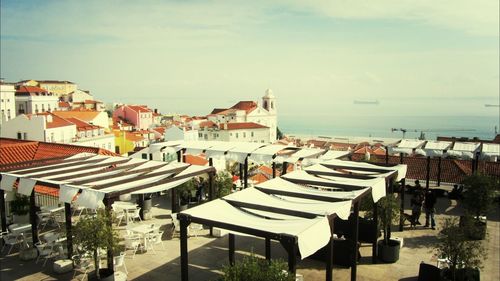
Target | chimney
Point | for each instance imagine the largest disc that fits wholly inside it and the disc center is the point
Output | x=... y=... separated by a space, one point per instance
x=156 y=110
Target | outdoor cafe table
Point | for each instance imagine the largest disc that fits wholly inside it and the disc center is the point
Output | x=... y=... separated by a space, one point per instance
x=143 y=230
x=19 y=228
x=126 y=207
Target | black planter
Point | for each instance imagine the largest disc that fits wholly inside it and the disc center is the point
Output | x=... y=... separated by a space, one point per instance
x=104 y=273
x=343 y=253
x=389 y=252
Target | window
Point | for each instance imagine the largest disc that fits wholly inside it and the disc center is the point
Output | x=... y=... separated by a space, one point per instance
x=52 y=137
x=25 y=136
x=144 y=156
x=251 y=134
x=43 y=107
x=244 y=134
x=236 y=135
x=200 y=135
x=19 y=136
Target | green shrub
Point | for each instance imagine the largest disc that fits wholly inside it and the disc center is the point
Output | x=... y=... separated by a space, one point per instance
x=252 y=268
x=223 y=184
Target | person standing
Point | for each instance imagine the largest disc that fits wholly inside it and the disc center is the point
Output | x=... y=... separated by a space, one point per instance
x=416 y=205
x=429 y=206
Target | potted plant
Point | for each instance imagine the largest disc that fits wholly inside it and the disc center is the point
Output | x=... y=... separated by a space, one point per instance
x=20 y=208
x=223 y=184
x=477 y=199
x=388 y=213
x=93 y=233
x=184 y=191
x=252 y=268
x=463 y=256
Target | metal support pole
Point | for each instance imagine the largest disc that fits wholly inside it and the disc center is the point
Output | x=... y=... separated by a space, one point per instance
x=402 y=208
x=108 y=208
x=174 y=200
x=231 y=248
x=285 y=167
x=69 y=233
x=245 y=183
x=211 y=191
x=34 y=230
x=401 y=156
x=375 y=233
x=439 y=172
x=477 y=162
x=179 y=158
x=3 y=216
x=141 y=205
x=386 y=155
x=428 y=173
x=268 y=249
x=183 y=155
x=184 y=248
x=241 y=173
x=391 y=193
x=291 y=248
x=274 y=169
x=354 y=267
x=329 y=255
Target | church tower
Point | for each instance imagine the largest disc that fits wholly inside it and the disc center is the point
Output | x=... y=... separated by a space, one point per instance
x=269 y=104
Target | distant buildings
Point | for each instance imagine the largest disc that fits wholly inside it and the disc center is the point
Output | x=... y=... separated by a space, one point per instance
x=34 y=100
x=61 y=89
x=7 y=102
x=140 y=116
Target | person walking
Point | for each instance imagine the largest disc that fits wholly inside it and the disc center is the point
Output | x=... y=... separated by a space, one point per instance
x=429 y=206
x=416 y=205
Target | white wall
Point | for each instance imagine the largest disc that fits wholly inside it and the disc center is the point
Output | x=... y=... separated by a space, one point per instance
x=64 y=134
x=173 y=133
x=260 y=135
x=7 y=103
x=29 y=129
x=106 y=141
x=80 y=96
x=36 y=104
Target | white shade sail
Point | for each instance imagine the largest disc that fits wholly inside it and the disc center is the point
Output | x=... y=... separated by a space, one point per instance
x=491 y=149
x=401 y=169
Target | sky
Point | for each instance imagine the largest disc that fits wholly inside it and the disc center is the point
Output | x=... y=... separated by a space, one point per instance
x=423 y=57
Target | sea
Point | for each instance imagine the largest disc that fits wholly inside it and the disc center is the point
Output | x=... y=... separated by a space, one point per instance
x=431 y=127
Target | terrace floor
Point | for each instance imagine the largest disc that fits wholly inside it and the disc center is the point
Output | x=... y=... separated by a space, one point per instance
x=208 y=254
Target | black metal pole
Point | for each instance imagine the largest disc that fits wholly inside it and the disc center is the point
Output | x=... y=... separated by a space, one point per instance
x=69 y=233
x=274 y=169
x=268 y=249
x=211 y=192
x=3 y=216
x=401 y=156
x=231 y=248
x=439 y=172
x=354 y=267
x=402 y=208
x=386 y=155
x=329 y=255
x=375 y=233
x=245 y=184
x=141 y=205
x=391 y=193
x=34 y=230
x=428 y=173
x=184 y=249
x=477 y=162
x=179 y=159
x=241 y=173
x=108 y=208
x=285 y=167
x=291 y=248
x=174 y=200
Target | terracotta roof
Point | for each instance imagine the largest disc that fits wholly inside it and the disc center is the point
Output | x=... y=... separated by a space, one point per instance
x=379 y=151
x=160 y=130
x=248 y=106
x=85 y=115
x=14 y=151
x=139 y=108
x=259 y=178
x=64 y=104
x=363 y=150
x=196 y=160
x=217 y=111
x=30 y=89
x=316 y=143
x=241 y=126
x=81 y=125
x=51 y=82
x=268 y=171
x=133 y=137
x=209 y=124
x=56 y=122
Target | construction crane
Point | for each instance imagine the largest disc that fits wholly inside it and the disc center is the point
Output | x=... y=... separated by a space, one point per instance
x=423 y=131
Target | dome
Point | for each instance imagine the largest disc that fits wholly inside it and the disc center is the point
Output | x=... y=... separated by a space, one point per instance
x=269 y=94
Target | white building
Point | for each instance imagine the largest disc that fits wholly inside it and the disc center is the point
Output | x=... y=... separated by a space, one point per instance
x=7 y=102
x=234 y=131
x=33 y=100
x=250 y=112
x=80 y=96
x=49 y=127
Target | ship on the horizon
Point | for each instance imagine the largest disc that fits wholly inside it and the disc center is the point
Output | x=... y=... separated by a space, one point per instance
x=375 y=102
x=491 y=105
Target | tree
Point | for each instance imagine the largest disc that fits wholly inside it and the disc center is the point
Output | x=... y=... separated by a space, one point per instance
x=223 y=184
x=454 y=245
x=96 y=232
x=279 y=133
x=479 y=194
x=388 y=213
x=185 y=191
x=252 y=268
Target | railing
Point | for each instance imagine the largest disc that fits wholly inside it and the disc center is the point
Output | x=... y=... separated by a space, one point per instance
x=46 y=200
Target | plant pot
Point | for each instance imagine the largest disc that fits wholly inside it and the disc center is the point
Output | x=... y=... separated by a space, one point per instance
x=183 y=207
x=462 y=274
x=106 y=275
x=389 y=252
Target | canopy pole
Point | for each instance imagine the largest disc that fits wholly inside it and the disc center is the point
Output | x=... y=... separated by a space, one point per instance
x=290 y=244
x=268 y=249
x=285 y=167
x=402 y=208
x=329 y=255
x=141 y=205
x=401 y=155
x=173 y=195
x=231 y=248
x=274 y=169
x=34 y=230
x=241 y=173
x=2 y=211
x=184 y=155
x=386 y=155
x=439 y=171
x=184 y=223
x=477 y=162
x=428 y=173
x=354 y=267
x=179 y=159
x=245 y=185
x=391 y=193
x=211 y=192
x=375 y=233
x=107 y=203
x=69 y=234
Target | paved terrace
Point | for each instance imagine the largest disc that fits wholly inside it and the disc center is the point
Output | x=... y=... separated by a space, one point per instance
x=207 y=254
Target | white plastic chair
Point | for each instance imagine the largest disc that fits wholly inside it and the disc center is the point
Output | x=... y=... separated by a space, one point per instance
x=136 y=214
x=43 y=219
x=194 y=228
x=11 y=240
x=44 y=251
x=132 y=242
x=176 y=224
x=120 y=261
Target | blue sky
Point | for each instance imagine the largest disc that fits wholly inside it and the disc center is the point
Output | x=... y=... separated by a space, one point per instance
x=317 y=56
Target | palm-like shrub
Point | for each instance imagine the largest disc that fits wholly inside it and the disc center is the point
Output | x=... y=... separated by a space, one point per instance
x=252 y=268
